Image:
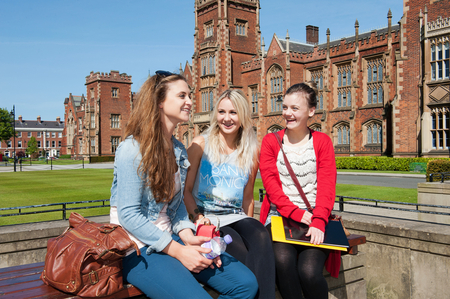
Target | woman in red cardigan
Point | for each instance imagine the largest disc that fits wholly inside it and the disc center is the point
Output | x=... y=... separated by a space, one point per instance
x=311 y=155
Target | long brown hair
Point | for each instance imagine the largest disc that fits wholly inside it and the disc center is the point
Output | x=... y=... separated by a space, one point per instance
x=157 y=165
x=308 y=89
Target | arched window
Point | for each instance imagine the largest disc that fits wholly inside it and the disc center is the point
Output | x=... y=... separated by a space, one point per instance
x=274 y=128
x=343 y=135
x=317 y=77
x=373 y=133
x=276 y=88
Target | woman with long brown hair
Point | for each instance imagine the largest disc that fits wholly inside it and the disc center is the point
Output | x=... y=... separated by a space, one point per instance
x=147 y=200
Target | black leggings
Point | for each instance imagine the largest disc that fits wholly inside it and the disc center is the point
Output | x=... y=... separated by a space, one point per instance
x=252 y=246
x=300 y=270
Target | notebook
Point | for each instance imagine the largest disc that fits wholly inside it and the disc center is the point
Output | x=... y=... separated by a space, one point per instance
x=289 y=231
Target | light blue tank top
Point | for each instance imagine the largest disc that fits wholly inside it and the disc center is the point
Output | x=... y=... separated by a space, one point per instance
x=219 y=189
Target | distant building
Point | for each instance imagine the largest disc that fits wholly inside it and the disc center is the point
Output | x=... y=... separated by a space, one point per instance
x=384 y=92
x=94 y=123
x=48 y=134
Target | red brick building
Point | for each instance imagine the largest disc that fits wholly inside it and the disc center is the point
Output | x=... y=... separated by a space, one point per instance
x=94 y=123
x=377 y=95
x=48 y=135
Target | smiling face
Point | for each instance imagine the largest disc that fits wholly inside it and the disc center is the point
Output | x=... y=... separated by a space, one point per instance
x=296 y=111
x=177 y=105
x=227 y=118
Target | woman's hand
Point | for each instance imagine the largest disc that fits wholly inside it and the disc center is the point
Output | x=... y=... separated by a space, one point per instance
x=306 y=219
x=190 y=256
x=203 y=220
x=190 y=240
x=316 y=234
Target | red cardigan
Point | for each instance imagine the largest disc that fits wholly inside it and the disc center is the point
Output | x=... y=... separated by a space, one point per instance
x=326 y=180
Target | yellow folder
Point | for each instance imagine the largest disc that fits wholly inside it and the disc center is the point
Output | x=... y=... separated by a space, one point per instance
x=278 y=235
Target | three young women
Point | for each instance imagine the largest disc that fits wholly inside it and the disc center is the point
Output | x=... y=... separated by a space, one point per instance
x=147 y=200
x=220 y=180
x=311 y=155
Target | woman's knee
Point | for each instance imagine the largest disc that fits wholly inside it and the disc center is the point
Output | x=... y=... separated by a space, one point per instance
x=247 y=286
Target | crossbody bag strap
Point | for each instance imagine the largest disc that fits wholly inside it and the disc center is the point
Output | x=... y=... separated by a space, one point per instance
x=293 y=176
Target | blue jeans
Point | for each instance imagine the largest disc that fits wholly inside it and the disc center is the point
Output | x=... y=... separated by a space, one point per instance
x=159 y=275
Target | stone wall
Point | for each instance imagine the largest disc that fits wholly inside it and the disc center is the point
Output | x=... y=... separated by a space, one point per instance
x=404 y=259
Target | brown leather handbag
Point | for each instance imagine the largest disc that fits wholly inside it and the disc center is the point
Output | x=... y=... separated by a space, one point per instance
x=86 y=259
x=332 y=217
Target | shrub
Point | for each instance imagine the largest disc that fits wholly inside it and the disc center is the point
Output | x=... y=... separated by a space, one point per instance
x=435 y=166
x=98 y=159
x=65 y=156
x=380 y=163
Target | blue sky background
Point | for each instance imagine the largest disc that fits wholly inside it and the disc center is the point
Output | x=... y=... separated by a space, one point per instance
x=48 y=47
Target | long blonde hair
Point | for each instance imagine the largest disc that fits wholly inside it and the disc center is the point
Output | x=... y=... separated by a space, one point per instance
x=157 y=165
x=246 y=142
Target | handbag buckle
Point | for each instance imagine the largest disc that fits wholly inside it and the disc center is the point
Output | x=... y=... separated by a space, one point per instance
x=93 y=277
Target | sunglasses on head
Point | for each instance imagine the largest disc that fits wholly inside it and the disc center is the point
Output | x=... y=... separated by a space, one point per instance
x=164 y=73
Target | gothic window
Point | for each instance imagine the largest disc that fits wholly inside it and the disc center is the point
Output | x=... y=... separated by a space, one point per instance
x=440 y=128
x=374 y=81
x=209 y=29
x=276 y=89
x=316 y=127
x=274 y=128
x=343 y=134
x=208 y=65
x=92 y=93
x=373 y=133
x=254 y=92
x=80 y=126
x=92 y=145
x=114 y=144
x=317 y=76
x=207 y=100
x=344 y=85
x=440 y=59
x=92 y=121
x=115 y=92
x=241 y=27
x=115 y=121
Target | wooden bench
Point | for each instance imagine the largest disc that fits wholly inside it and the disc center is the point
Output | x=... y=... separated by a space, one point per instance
x=24 y=281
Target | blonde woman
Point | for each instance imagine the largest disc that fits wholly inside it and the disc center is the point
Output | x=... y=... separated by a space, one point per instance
x=147 y=200
x=220 y=180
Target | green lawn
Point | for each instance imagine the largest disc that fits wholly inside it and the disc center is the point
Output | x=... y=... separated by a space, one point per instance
x=57 y=186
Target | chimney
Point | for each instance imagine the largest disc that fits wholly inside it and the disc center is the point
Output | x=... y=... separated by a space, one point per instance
x=312 y=35
x=20 y=118
x=58 y=119
x=39 y=119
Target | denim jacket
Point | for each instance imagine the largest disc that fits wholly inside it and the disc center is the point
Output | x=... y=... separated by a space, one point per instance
x=136 y=206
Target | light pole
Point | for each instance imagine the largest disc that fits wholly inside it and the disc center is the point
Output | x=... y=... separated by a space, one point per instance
x=13 y=114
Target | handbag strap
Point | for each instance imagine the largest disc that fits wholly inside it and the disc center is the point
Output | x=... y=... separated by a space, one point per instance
x=293 y=176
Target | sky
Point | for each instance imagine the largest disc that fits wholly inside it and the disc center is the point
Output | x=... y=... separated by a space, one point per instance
x=48 y=47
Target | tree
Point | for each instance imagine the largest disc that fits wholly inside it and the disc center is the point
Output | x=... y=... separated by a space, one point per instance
x=6 y=125
x=32 y=147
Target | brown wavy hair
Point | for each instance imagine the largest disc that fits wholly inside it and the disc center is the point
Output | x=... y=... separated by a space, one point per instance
x=157 y=167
